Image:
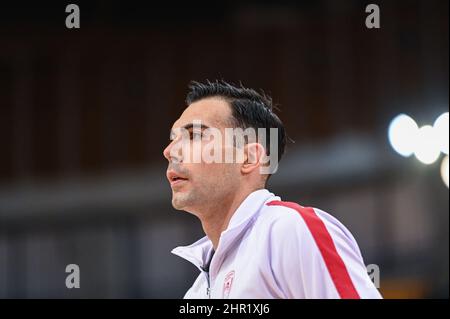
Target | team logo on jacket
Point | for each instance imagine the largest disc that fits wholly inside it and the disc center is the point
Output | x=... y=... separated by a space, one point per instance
x=227 y=283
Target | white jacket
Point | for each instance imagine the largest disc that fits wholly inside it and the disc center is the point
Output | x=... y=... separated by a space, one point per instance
x=274 y=249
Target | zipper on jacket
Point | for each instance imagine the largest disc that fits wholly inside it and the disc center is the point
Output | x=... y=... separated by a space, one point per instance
x=208 y=287
x=205 y=270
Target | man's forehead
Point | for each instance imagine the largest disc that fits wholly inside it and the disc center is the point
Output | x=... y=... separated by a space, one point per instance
x=212 y=112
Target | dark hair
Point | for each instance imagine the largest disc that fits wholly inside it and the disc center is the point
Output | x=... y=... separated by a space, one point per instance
x=249 y=108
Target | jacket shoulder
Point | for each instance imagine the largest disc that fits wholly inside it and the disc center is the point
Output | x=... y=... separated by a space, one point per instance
x=294 y=218
x=279 y=216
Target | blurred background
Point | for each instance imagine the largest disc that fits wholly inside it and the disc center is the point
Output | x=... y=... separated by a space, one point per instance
x=85 y=114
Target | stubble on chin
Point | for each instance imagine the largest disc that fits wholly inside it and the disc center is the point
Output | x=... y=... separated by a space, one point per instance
x=177 y=203
x=181 y=200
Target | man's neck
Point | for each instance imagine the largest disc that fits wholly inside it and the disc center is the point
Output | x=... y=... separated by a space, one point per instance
x=217 y=218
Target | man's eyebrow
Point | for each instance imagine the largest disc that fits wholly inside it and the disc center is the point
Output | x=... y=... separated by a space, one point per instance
x=190 y=126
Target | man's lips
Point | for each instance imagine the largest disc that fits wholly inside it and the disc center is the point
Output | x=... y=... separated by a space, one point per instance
x=175 y=178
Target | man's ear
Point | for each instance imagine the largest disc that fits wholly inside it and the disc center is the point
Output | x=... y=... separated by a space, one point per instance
x=253 y=157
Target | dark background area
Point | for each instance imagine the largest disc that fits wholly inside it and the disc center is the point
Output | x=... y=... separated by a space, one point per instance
x=85 y=114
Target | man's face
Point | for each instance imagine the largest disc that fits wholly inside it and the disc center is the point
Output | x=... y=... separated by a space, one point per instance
x=200 y=183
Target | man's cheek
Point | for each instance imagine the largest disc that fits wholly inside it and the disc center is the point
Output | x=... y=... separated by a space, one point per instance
x=211 y=151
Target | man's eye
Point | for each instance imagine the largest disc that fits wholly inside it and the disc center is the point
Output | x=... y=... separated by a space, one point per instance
x=196 y=135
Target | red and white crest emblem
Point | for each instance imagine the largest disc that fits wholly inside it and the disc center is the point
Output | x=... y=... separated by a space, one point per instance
x=227 y=283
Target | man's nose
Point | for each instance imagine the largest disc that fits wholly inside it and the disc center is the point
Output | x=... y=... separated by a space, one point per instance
x=168 y=153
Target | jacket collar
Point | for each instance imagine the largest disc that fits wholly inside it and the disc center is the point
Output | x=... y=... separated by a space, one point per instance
x=198 y=252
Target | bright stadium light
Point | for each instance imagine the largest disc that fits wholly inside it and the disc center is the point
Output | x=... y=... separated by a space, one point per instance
x=402 y=134
x=444 y=170
x=441 y=128
x=427 y=147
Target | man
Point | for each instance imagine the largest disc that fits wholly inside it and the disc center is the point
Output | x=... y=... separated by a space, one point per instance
x=256 y=245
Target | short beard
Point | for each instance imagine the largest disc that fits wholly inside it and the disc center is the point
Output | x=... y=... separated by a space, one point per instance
x=195 y=203
x=180 y=201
